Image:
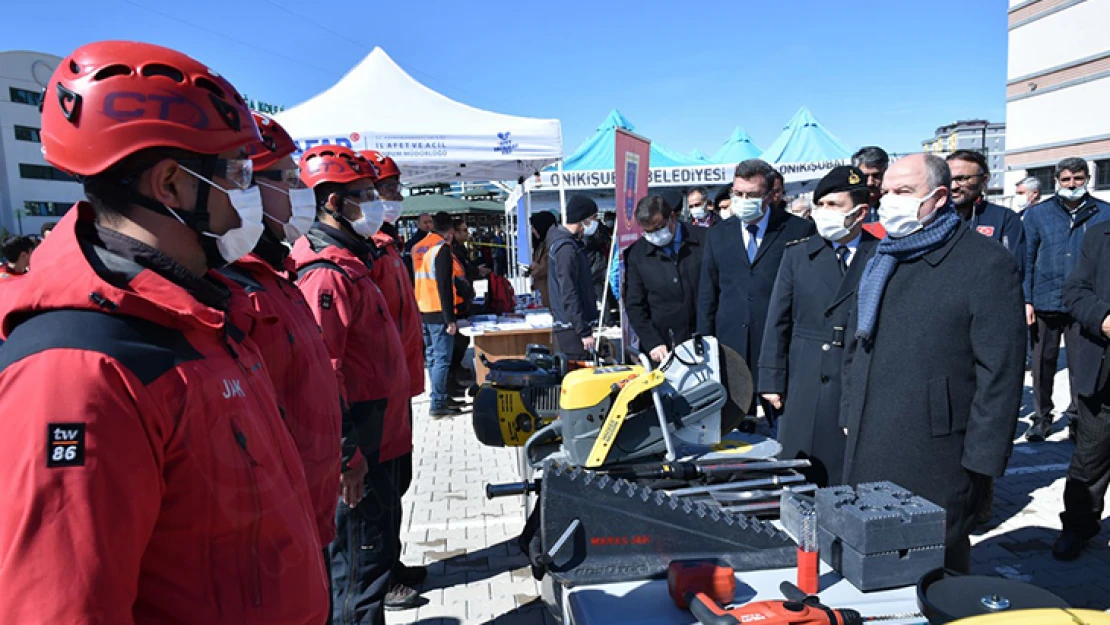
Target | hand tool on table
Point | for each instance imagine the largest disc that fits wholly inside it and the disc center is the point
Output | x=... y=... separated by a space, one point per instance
x=699 y=585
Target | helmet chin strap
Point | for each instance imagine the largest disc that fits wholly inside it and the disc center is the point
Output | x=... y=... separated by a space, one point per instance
x=197 y=220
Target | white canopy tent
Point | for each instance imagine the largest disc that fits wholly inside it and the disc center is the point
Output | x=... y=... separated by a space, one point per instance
x=377 y=106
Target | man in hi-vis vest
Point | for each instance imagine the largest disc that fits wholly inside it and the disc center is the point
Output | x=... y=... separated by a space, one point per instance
x=436 y=270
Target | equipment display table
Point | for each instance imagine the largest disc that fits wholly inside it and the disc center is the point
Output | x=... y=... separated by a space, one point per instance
x=649 y=603
x=499 y=344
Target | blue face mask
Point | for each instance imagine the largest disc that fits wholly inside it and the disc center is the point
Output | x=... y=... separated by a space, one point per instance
x=747 y=209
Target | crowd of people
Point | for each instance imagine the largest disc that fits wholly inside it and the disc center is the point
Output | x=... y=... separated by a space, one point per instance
x=241 y=337
x=886 y=319
x=240 y=340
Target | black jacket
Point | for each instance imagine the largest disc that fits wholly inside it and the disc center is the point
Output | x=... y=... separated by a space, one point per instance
x=803 y=350
x=1002 y=225
x=1087 y=298
x=931 y=401
x=597 y=248
x=734 y=294
x=570 y=282
x=660 y=292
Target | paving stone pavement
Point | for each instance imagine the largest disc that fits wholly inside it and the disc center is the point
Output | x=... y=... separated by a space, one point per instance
x=476 y=574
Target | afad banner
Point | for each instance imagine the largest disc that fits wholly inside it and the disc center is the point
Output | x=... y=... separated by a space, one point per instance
x=632 y=153
x=632 y=171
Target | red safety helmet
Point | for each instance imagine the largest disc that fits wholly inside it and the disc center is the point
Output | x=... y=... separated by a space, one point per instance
x=276 y=144
x=368 y=167
x=330 y=163
x=386 y=167
x=111 y=99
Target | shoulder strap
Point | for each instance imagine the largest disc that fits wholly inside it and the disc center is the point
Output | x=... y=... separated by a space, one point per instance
x=321 y=264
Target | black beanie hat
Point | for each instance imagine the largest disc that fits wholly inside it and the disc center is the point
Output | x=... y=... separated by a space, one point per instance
x=580 y=208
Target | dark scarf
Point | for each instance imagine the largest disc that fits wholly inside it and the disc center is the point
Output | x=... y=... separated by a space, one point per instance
x=889 y=253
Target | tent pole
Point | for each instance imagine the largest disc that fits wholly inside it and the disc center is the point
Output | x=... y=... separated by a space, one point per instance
x=562 y=194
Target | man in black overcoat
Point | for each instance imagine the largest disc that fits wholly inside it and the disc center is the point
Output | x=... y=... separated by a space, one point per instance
x=740 y=262
x=662 y=271
x=802 y=357
x=1087 y=298
x=933 y=376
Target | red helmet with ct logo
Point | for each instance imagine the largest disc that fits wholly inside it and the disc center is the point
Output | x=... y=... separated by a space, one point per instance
x=331 y=163
x=276 y=144
x=386 y=167
x=111 y=99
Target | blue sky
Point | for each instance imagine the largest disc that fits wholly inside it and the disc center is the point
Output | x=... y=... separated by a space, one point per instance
x=685 y=73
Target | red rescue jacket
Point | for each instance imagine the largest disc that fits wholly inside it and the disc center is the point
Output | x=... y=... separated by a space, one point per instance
x=366 y=352
x=300 y=368
x=392 y=277
x=145 y=475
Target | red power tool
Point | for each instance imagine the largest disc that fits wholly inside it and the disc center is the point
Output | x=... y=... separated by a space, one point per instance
x=702 y=585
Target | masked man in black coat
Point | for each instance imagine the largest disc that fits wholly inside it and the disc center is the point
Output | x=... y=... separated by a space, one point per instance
x=803 y=346
x=661 y=278
x=740 y=262
x=933 y=372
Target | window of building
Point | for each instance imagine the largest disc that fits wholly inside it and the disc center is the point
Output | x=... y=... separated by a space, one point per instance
x=43 y=172
x=46 y=209
x=26 y=133
x=1102 y=175
x=24 y=96
x=1046 y=176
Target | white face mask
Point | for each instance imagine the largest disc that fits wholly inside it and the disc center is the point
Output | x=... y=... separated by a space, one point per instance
x=392 y=210
x=302 y=203
x=747 y=209
x=898 y=214
x=725 y=212
x=830 y=223
x=590 y=228
x=1072 y=195
x=240 y=240
x=660 y=238
x=1021 y=202
x=373 y=214
x=698 y=212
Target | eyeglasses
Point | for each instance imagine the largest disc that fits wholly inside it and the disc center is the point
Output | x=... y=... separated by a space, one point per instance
x=749 y=195
x=289 y=177
x=962 y=180
x=363 y=195
x=390 y=187
x=238 y=171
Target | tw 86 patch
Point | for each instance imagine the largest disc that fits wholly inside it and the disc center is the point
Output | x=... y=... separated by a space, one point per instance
x=65 y=445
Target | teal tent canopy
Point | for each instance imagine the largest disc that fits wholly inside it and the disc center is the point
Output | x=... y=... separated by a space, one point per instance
x=738 y=147
x=597 y=153
x=805 y=140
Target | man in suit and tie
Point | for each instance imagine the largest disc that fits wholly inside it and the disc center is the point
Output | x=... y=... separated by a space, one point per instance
x=740 y=261
x=803 y=345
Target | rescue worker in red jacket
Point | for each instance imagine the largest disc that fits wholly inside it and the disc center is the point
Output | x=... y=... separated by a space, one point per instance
x=333 y=263
x=392 y=277
x=292 y=348
x=158 y=485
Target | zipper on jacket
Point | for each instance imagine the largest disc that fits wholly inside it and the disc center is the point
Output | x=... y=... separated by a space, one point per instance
x=255 y=576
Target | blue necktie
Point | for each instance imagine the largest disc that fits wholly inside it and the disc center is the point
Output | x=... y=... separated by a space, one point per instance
x=753 y=245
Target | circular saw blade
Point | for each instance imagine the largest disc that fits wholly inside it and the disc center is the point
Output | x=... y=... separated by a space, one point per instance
x=737 y=380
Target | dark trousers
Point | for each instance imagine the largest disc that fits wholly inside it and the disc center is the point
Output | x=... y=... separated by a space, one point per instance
x=962 y=509
x=400 y=470
x=438 y=346
x=1089 y=473
x=568 y=342
x=1045 y=337
x=455 y=380
x=364 y=552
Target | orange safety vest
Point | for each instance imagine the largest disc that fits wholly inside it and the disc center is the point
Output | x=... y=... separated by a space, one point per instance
x=423 y=262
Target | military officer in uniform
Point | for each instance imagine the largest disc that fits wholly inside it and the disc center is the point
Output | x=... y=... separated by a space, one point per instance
x=803 y=343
